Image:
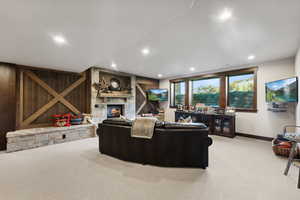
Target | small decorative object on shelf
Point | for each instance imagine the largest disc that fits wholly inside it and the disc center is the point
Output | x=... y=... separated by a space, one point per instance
x=230 y=111
x=102 y=86
x=211 y=110
x=220 y=111
x=179 y=107
x=61 y=120
x=87 y=118
x=67 y=120
x=199 y=107
x=115 y=84
x=191 y=108
x=76 y=119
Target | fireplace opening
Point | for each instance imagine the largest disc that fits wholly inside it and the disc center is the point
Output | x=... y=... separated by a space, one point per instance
x=114 y=111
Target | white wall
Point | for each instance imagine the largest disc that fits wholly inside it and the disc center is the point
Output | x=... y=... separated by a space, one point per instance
x=262 y=123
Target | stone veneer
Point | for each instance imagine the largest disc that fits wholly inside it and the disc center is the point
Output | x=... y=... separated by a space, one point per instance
x=37 y=137
x=100 y=113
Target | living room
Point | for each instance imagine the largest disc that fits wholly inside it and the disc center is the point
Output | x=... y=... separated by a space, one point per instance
x=107 y=100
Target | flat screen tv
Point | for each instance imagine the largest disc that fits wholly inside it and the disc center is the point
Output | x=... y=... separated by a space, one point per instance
x=282 y=91
x=157 y=95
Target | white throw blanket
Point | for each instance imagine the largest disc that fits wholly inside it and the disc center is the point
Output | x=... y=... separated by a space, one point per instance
x=143 y=127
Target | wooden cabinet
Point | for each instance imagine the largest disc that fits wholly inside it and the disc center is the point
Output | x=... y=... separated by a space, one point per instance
x=223 y=125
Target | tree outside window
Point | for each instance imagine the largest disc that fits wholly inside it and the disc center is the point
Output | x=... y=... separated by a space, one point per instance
x=206 y=91
x=241 y=91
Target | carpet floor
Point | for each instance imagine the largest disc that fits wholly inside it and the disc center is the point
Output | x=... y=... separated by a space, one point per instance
x=239 y=168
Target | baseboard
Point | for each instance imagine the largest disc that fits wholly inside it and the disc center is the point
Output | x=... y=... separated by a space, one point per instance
x=255 y=136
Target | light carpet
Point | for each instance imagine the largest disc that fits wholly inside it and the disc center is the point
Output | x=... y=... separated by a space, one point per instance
x=239 y=168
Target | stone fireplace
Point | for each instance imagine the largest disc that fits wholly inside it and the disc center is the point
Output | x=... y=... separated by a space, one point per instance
x=102 y=107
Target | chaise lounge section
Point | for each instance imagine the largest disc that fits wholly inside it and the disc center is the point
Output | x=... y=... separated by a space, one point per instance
x=172 y=144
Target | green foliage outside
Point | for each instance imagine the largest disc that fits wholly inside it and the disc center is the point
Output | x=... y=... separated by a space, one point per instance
x=209 y=99
x=241 y=92
x=179 y=99
x=207 y=94
x=241 y=99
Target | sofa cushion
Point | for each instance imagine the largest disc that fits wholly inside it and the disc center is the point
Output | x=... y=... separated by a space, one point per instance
x=128 y=122
x=176 y=125
x=118 y=121
x=158 y=124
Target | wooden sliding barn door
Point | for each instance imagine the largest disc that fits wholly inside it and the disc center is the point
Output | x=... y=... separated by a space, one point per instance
x=142 y=104
x=7 y=101
x=42 y=94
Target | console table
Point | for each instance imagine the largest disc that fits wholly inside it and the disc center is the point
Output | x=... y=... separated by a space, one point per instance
x=219 y=124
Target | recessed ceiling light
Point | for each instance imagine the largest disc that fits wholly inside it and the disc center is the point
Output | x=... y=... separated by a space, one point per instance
x=225 y=15
x=159 y=75
x=113 y=65
x=192 y=69
x=251 y=57
x=59 y=39
x=145 y=51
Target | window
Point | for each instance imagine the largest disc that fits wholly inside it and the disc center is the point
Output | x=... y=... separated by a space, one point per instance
x=179 y=93
x=241 y=91
x=206 y=91
x=232 y=88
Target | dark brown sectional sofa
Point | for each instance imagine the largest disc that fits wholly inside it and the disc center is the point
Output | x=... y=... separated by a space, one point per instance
x=172 y=144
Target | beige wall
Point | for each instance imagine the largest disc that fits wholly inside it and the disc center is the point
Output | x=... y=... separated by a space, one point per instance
x=262 y=123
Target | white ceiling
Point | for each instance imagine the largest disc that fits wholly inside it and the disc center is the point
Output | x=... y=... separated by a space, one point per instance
x=179 y=33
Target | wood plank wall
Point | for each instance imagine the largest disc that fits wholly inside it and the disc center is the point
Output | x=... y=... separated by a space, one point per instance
x=7 y=101
x=43 y=93
x=142 y=85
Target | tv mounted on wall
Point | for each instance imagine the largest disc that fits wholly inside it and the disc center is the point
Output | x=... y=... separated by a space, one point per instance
x=282 y=91
x=157 y=95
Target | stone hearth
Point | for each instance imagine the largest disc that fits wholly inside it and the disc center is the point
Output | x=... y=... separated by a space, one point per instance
x=37 y=137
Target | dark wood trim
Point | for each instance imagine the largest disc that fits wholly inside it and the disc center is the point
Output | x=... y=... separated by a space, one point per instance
x=172 y=95
x=19 y=98
x=255 y=90
x=89 y=90
x=146 y=81
x=254 y=136
x=223 y=99
x=218 y=74
x=7 y=101
x=187 y=93
x=246 y=110
x=118 y=73
x=25 y=67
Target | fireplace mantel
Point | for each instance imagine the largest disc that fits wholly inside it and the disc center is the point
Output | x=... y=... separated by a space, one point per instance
x=112 y=95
